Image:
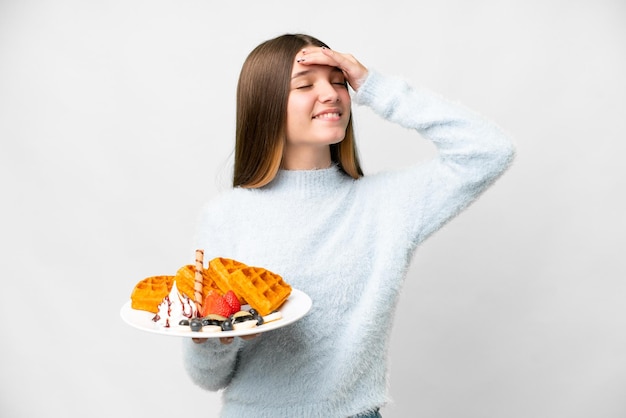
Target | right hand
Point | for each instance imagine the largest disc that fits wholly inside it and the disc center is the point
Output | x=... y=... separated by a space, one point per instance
x=353 y=70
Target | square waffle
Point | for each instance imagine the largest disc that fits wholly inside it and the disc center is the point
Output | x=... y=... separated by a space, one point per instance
x=220 y=270
x=263 y=290
x=149 y=292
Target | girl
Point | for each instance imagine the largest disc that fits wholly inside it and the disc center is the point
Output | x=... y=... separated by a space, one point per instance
x=301 y=207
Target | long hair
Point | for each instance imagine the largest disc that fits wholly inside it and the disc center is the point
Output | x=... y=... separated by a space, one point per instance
x=262 y=95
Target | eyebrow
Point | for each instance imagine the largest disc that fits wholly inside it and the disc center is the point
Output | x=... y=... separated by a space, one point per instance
x=305 y=72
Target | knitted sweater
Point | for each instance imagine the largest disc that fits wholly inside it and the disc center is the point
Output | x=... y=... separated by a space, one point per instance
x=347 y=244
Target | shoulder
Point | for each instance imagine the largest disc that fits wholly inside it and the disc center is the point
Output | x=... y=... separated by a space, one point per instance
x=222 y=207
x=228 y=198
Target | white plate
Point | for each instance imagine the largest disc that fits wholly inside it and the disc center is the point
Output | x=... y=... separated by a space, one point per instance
x=294 y=308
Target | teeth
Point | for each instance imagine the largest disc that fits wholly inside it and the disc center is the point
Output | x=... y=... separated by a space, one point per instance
x=328 y=116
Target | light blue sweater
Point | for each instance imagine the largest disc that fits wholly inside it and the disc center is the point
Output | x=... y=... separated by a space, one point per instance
x=347 y=244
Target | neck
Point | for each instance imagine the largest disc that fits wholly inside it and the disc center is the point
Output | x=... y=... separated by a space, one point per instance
x=306 y=157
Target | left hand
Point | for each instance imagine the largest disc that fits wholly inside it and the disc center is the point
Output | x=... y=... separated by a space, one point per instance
x=352 y=69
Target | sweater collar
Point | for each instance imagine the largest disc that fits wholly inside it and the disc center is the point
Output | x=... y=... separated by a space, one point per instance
x=308 y=183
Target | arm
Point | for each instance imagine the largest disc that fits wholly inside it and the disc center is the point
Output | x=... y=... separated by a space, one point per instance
x=211 y=364
x=472 y=153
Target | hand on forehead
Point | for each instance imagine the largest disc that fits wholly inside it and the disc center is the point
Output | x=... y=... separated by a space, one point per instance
x=352 y=69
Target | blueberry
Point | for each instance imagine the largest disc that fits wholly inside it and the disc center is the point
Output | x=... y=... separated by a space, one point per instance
x=196 y=324
x=183 y=322
x=227 y=325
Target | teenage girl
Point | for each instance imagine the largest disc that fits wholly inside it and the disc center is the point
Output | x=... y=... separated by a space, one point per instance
x=301 y=207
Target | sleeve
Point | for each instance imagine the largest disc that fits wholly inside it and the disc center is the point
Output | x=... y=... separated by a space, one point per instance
x=211 y=364
x=472 y=153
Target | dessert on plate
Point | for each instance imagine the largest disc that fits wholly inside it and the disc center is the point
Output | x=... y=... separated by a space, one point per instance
x=213 y=299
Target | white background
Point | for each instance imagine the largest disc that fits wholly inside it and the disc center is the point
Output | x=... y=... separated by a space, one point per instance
x=117 y=123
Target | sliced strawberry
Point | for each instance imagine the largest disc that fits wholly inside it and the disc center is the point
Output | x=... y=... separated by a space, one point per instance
x=233 y=301
x=214 y=303
x=206 y=302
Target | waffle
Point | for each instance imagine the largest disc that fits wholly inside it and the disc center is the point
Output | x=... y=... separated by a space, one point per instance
x=185 y=281
x=263 y=290
x=220 y=270
x=149 y=292
x=260 y=288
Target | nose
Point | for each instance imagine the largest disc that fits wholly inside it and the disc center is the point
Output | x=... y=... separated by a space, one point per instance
x=327 y=93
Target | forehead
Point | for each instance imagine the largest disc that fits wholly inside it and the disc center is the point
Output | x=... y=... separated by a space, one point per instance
x=300 y=70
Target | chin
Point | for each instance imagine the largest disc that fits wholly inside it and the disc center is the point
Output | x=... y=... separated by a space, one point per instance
x=335 y=139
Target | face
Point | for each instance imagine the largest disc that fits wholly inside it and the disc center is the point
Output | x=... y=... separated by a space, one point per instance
x=318 y=108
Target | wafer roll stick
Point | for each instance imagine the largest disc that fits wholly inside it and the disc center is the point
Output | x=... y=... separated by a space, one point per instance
x=198 y=279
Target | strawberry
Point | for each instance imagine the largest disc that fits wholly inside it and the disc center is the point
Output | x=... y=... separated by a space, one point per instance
x=214 y=303
x=233 y=301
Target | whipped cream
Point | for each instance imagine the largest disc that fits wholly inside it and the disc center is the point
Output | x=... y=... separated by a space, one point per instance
x=174 y=308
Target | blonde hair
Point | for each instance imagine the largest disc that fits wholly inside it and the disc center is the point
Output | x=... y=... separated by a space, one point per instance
x=262 y=95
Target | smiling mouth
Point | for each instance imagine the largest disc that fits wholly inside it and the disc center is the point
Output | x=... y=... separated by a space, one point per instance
x=333 y=115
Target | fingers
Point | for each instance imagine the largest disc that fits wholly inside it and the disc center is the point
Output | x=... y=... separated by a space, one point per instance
x=229 y=340
x=353 y=70
x=226 y=340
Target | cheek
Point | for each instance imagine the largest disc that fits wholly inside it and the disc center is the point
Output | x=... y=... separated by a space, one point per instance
x=296 y=117
x=298 y=109
x=345 y=96
x=347 y=101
